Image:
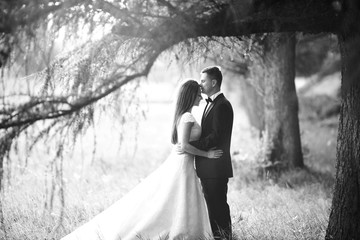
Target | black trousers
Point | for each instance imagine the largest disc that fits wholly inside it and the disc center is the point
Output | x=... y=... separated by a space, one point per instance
x=215 y=190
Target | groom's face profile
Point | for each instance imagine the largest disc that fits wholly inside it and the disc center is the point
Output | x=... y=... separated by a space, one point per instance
x=206 y=84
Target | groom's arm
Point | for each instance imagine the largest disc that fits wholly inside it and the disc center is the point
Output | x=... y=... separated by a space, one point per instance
x=207 y=142
x=222 y=117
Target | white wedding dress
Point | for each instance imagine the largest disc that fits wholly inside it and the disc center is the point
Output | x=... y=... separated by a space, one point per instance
x=168 y=204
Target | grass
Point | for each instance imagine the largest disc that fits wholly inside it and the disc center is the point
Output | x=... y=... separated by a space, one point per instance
x=295 y=207
x=295 y=210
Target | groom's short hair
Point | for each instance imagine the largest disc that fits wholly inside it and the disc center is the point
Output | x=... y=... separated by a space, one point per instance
x=214 y=72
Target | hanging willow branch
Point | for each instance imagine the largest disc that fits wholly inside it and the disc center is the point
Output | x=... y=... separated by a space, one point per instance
x=81 y=82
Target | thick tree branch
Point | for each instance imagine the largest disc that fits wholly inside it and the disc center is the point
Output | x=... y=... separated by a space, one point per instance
x=285 y=16
x=50 y=108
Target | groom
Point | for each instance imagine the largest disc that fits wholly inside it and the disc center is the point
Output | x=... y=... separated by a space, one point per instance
x=216 y=124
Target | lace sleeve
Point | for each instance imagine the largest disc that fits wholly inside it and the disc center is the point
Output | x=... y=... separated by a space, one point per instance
x=187 y=117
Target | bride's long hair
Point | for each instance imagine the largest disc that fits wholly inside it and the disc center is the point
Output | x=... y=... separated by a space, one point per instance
x=187 y=95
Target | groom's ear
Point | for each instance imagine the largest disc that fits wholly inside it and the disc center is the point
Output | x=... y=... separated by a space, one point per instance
x=213 y=82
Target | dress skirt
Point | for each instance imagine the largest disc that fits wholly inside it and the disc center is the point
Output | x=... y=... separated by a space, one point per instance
x=168 y=204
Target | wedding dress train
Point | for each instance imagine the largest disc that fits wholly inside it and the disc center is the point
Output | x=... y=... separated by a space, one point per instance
x=168 y=204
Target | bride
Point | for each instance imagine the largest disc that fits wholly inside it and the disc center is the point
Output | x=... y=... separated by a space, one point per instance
x=169 y=203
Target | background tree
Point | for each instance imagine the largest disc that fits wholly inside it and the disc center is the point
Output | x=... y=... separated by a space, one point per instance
x=317 y=56
x=282 y=130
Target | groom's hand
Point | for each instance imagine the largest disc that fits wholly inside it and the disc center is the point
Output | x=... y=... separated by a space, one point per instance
x=178 y=148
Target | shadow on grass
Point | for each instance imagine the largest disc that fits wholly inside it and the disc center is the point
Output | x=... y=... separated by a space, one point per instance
x=246 y=175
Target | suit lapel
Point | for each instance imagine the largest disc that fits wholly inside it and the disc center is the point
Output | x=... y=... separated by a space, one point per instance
x=207 y=112
x=209 y=109
x=203 y=115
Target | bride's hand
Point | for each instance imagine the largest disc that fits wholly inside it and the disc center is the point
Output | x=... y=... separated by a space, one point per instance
x=179 y=149
x=215 y=153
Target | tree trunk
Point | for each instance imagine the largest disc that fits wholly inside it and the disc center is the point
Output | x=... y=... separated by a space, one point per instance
x=344 y=222
x=282 y=133
x=6 y=140
x=253 y=103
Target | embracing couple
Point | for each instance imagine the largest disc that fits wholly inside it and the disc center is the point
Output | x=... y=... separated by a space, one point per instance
x=171 y=203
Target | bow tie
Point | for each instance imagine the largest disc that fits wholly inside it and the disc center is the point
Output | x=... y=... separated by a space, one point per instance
x=209 y=100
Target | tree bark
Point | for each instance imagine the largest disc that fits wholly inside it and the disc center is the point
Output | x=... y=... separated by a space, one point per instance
x=344 y=222
x=282 y=132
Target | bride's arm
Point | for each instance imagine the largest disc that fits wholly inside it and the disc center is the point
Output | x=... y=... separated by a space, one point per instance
x=185 y=146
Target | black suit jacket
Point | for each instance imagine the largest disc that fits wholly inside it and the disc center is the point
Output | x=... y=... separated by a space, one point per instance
x=216 y=132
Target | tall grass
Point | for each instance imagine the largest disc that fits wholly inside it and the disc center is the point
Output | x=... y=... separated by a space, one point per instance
x=296 y=207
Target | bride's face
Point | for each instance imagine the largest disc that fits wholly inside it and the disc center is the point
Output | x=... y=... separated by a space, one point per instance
x=198 y=98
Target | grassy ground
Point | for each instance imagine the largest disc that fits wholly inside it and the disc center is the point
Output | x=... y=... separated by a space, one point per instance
x=295 y=207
